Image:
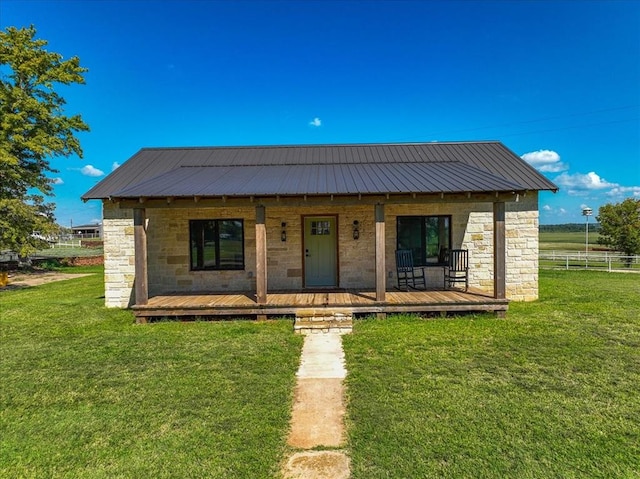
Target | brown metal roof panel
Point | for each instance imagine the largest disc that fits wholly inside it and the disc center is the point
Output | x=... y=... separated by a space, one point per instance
x=197 y=157
x=301 y=179
x=331 y=178
x=499 y=159
x=391 y=177
x=314 y=180
x=132 y=171
x=363 y=176
x=421 y=177
x=492 y=157
x=368 y=181
x=432 y=177
x=415 y=154
x=349 y=180
x=380 y=181
x=415 y=178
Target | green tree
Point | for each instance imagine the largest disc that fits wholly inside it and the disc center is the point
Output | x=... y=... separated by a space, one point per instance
x=33 y=129
x=620 y=226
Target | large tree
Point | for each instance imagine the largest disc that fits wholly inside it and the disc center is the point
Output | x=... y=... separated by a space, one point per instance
x=620 y=226
x=33 y=129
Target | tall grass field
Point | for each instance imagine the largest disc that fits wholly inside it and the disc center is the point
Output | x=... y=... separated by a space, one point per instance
x=568 y=241
x=553 y=390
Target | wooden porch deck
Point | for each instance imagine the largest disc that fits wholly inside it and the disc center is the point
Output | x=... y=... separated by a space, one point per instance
x=289 y=302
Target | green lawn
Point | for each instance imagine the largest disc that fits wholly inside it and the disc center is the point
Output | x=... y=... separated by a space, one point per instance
x=552 y=391
x=86 y=393
x=69 y=251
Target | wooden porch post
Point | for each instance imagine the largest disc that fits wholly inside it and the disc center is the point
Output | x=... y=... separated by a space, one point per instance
x=499 y=251
x=381 y=283
x=140 y=251
x=261 y=255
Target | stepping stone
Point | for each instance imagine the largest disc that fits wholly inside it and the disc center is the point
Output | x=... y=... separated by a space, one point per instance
x=318 y=412
x=317 y=419
x=318 y=465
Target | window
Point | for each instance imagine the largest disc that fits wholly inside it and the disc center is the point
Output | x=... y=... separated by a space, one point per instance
x=320 y=228
x=216 y=244
x=427 y=236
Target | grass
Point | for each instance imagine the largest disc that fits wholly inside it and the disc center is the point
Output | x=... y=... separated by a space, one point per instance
x=568 y=241
x=87 y=393
x=552 y=391
x=69 y=251
x=572 y=244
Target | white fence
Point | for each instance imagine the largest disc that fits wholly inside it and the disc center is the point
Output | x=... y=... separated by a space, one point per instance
x=597 y=260
x=66 y=243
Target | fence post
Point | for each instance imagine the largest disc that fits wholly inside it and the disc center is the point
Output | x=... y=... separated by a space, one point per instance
x=609 y=264
x=567 y=258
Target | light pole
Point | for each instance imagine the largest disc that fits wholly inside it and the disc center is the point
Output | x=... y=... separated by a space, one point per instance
x=586 y=212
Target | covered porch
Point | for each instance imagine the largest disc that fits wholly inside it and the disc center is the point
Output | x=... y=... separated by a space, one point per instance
x=381 y=299
x=284 y=303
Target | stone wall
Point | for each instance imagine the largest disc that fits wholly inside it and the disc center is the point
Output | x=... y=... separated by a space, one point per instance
x=522 y=224
x=473 y=230
x=119 y=255
x=168 y=247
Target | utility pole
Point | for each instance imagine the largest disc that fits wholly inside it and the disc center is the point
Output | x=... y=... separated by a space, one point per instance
x=586 y=212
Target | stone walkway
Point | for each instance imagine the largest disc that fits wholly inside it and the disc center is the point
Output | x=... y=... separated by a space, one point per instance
x=317 y=419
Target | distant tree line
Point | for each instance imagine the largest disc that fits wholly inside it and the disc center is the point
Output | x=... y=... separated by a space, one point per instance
x=569 y=228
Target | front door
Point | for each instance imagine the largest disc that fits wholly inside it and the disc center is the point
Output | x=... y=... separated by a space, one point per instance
x=320 y=251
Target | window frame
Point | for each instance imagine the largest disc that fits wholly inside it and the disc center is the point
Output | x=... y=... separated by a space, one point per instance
x=422 y=258
x=200 y=247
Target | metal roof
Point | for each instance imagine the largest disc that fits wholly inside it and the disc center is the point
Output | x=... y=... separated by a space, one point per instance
x=321 y=169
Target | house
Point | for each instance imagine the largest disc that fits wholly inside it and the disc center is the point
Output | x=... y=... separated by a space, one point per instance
x=271 y=229
x=93 y=230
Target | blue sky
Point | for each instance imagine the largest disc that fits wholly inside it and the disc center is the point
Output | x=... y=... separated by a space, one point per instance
x=557 y=82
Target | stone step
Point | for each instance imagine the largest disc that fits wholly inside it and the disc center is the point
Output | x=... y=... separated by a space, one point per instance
x=324 y=320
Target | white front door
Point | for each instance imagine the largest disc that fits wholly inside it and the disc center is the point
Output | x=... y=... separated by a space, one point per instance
x=320 y=251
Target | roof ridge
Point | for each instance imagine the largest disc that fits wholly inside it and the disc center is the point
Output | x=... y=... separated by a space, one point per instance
x=317 y=145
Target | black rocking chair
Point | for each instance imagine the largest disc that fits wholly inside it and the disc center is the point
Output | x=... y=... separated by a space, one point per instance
x=456 y=269
x=409 y=276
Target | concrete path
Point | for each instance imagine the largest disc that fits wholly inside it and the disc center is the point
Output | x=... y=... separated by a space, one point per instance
x=317 y=419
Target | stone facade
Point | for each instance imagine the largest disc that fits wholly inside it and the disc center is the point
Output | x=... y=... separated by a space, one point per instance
x=521 y=231
x=168 y=247
x=119 y=255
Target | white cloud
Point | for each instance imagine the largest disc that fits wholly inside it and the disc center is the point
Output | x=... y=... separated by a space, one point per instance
x=57 y=181
x=90 y=170
x=316 y=122
x=547 y=161
x=115 y=165
x=578 y=183
x=625 y=191
x=549 y=209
